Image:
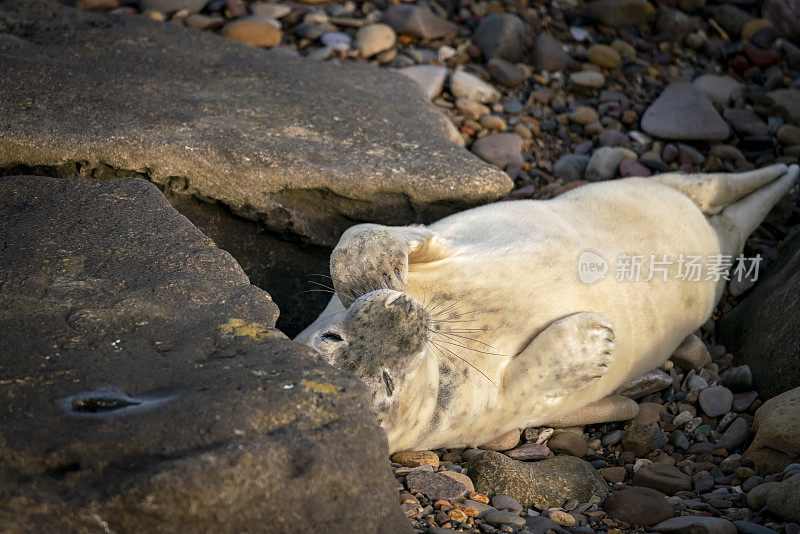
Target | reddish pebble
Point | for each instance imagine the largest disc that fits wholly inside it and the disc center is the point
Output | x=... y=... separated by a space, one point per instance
x=236 y=9
x=761 y=58
x=631 y=167
x=526 y=191
x=629 y=116
x=742 y=401
x=739 y=63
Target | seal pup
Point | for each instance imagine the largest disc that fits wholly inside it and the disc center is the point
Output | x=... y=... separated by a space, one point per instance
x=484 y=321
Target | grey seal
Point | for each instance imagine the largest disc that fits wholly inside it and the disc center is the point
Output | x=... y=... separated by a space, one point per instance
x=487 y=321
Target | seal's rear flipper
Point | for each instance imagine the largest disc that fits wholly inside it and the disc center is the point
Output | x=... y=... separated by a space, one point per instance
x=713 y=192
x=740 y=219
x=371 y=257
x=567 y=355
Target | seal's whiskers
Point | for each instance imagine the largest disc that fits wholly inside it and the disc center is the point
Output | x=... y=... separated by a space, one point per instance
x=329 y=288
x=442 y=347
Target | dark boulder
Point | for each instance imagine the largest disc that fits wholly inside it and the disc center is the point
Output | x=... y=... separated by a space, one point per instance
x=144 y=386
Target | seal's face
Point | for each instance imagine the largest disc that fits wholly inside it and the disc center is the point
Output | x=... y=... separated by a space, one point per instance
x=382 y=339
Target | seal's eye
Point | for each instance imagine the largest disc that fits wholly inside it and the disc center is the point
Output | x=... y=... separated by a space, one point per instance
x=331 y=336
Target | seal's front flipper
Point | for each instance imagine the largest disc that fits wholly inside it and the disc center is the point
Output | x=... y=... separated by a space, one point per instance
x=371 y=257
x=567 y=355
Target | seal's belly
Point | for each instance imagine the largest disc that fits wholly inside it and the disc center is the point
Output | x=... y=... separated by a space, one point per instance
x=525 y=265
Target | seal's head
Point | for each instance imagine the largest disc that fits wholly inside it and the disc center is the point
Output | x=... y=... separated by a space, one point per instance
x=382 y=339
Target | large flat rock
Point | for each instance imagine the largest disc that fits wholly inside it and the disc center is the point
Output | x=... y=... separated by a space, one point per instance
x=303 y=147
x=144 y=387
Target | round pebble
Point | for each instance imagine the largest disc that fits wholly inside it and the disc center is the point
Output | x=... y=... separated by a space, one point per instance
x=716 y=401
x=562 y=518
x=253 y=31
x=588 y=78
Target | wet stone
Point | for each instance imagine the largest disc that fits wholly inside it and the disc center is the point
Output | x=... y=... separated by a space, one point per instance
x=684 y=113
x=417 y=21
x=434 y=485
x=664 y=478
x=716 y=401
x=567 y=443
x=528 y=452
x=501 y=35
x=649 y=382
x=742 y=401
x=614 y=474
x=504 y=502
x=638 y=506
x=549 y=54
x=638 y=439
x=737 y=378
x=588 y=78
x=734 y=435
x=416 y=458
x=693 y=524
x=501 y=517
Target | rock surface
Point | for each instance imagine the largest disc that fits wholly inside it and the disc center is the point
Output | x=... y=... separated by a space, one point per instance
x=786 y=16
x=784 y=499
x=664 y=478
x=691 y=353
x=752 y=333
x=777 y=428
x=417 y=21
x=374 y=38
x=695 y=524
x=619 y=12
x=789 y=99
x=168 y=6
x=501 y=35
x=638 y=506
x=503 y=150
x=503 y=442
x=254 y=31
x=435 y=485
x=146 y=384
x=272 y=150
x=567 y=443
x=542 y=484
x=429 y=77
x=716 y=401
x=719 y=89
x=549 y=54
x=466 y=85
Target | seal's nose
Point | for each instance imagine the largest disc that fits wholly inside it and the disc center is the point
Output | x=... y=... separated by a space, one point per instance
x=400 y=300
